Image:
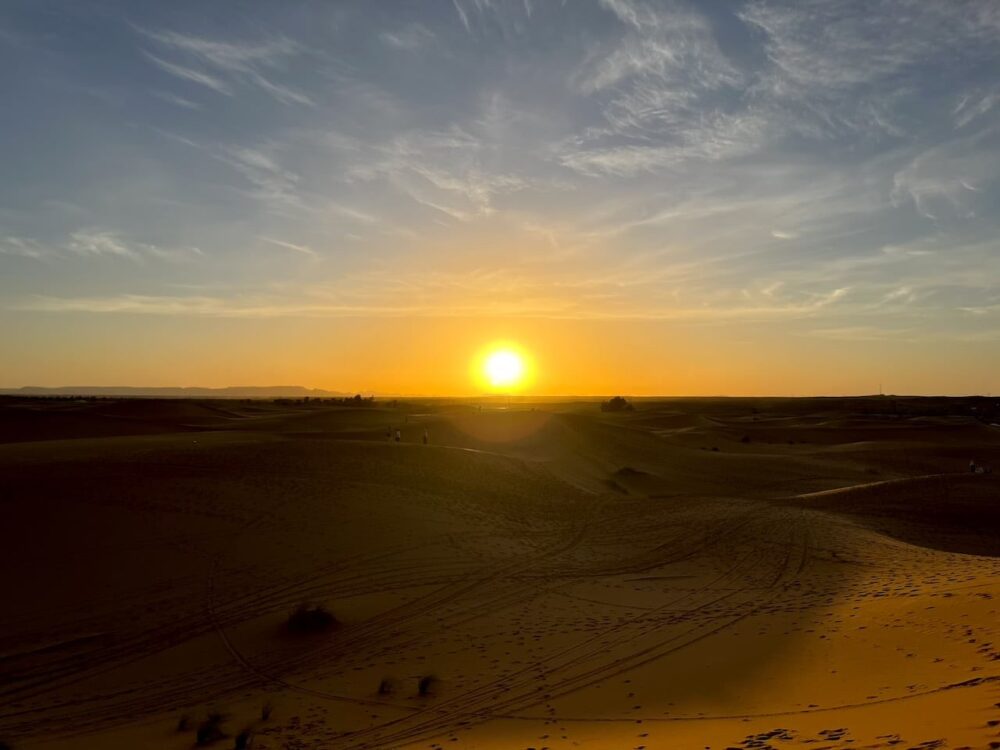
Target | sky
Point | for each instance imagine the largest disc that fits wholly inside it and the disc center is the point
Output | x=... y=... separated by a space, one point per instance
x=677 y=198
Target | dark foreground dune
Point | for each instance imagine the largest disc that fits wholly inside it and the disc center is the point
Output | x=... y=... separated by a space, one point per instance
x=692 y=574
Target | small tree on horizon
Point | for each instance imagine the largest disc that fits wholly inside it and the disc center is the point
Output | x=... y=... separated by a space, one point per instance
x=616 y=403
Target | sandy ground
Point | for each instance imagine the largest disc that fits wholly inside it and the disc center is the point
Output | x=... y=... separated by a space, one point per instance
x=693 y=574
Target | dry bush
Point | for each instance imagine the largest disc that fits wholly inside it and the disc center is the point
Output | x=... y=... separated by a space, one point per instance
x=243 y=740
x=428 y=685
x=210 y=730
x=311 y=618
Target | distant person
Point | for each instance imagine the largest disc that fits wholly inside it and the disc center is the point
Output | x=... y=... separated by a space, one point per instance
x=425 y=437
x=399 y=436
x=972 y=466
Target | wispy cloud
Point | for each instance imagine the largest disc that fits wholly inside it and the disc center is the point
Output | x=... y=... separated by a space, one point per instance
x=24 y=247
x=302 y=249
x=237 y=57
x=862 y=333
x=835 y=69
x=669 y=92
x=190 y=74
x=180 y=101
x=665 y=42
x=661 y=86
x=94 y=243
x=463 y=15
x=273 y=184
x=975 y=104
x=239 y=63
x=479 y=292
x=409 y=38
x=441 y=170
x=716 y=137
x=946 y=180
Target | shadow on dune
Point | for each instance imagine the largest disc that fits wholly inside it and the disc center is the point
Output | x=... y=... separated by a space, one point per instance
x=953 y=513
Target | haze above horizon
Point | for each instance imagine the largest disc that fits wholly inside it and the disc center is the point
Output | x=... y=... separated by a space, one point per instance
x=753 y=198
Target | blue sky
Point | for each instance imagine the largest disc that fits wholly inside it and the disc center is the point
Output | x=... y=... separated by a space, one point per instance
x=814 y=170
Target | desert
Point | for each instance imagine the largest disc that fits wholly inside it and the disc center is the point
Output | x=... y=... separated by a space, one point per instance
x=703 y=573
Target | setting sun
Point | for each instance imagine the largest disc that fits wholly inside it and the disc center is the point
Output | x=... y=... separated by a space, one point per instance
x=504 y=368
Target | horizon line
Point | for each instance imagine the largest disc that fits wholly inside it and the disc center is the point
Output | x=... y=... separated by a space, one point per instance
x=318 y=392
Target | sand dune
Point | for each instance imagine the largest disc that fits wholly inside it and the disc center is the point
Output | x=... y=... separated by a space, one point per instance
x=691 y=574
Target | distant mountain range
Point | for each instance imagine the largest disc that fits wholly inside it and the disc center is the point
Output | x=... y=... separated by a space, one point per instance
x=247 y=391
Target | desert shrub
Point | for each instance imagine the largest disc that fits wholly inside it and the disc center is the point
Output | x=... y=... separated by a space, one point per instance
x=387 y=686
x=616 y=403
x=5 y=746
x=243 y=740
x=311 y=618
x=210 y=730
x=428 y=685
x=745 y=439
x=266 y=710
x=184 y=723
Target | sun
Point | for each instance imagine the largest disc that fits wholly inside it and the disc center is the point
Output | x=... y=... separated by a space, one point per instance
x=504 y=368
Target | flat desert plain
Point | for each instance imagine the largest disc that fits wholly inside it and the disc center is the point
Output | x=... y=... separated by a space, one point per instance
x=728 y=573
